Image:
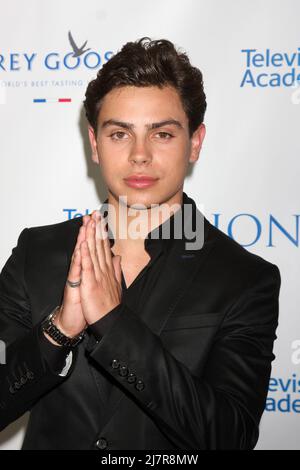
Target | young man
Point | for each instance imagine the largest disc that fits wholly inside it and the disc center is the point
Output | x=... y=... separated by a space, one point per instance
x=152 y=342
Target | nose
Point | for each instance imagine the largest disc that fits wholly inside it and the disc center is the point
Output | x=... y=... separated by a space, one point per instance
x=140 y=153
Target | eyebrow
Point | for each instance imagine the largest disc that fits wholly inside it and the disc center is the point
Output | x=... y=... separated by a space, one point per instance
x=153 y=125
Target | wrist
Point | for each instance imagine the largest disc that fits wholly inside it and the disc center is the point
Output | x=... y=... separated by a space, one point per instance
x=57 y=335
x=51 y=339
x=57 y=320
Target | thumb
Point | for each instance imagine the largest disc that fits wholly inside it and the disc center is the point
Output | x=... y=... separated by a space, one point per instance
x=117 y=267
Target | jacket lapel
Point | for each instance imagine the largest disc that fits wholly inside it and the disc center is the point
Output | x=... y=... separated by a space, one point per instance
x=179 y=270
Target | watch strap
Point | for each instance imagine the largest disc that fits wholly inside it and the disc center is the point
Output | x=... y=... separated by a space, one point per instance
x=56 y=334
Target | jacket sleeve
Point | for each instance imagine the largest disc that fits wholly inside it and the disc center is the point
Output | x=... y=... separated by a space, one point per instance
x=102 y=326
x=25 y=375
x=221 y=407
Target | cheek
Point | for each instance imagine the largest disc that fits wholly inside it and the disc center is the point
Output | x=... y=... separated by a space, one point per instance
x=113 y=170
x=108 y=156
x=174 y=159
x=112 y=154
x=110 y=170
x=178 y=171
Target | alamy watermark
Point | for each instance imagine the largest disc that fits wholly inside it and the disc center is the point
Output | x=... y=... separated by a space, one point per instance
x=175 y=221
x=295 y=356
x=2 y=352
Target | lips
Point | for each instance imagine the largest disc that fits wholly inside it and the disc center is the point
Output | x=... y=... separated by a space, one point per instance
x=140 y=178
x=140 y=181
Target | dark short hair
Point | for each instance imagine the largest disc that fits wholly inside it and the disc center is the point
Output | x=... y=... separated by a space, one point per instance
x=147 y=62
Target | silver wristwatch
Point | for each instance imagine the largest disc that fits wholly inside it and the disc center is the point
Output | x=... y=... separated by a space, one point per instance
x=59 y=337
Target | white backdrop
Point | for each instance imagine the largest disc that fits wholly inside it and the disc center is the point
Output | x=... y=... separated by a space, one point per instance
x=248 y=171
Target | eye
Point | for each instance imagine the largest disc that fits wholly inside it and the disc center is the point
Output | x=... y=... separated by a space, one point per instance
x=164 y=135
x=118 y=135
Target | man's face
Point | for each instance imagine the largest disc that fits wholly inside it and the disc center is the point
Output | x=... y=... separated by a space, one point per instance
x=144 y=131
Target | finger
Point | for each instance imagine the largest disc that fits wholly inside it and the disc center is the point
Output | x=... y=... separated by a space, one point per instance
x=99 y=240
x=117 y=268
x=90 y=237
x=85 y=219
x=82 y=231
x=95 y=215
x=80 y=238
x=75 y=268
x=105 y=244
x=87 y=266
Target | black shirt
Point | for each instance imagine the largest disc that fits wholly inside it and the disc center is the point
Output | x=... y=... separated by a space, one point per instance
x=140 y=289
x=157 y=246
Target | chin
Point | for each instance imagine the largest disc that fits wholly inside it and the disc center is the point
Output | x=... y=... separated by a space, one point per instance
x=142 y=200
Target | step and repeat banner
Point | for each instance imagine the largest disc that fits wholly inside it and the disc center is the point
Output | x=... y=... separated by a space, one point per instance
x=247 y=176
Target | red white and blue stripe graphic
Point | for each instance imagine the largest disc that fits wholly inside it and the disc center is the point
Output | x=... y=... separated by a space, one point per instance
x=52 y=100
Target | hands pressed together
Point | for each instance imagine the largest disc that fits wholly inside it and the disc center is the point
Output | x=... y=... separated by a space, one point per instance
x=100 y=289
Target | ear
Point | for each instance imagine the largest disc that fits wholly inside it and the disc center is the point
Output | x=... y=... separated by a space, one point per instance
x=196 y=142
x=93 y=142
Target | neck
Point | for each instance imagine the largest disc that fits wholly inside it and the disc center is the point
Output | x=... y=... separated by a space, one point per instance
x=131 y=225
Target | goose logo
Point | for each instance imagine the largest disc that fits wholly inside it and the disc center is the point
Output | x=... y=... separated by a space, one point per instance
x=79 y=57
x=77 y=51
